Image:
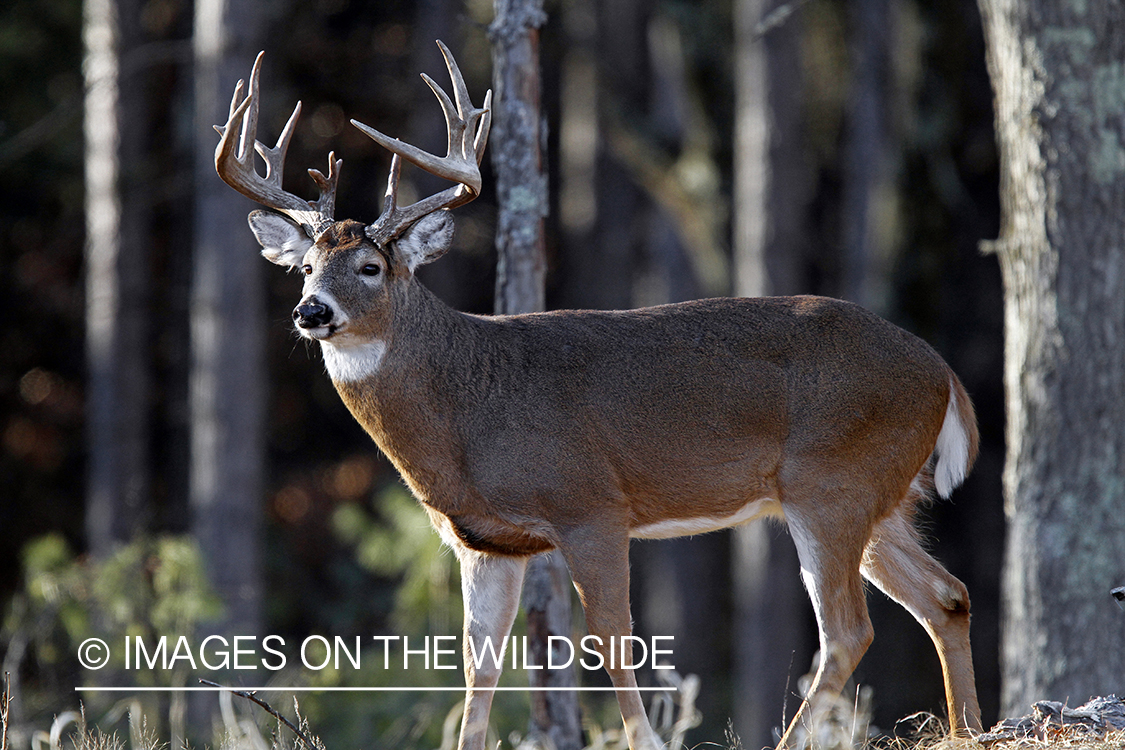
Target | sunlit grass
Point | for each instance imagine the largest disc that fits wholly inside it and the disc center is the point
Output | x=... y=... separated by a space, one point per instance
x=844 y=725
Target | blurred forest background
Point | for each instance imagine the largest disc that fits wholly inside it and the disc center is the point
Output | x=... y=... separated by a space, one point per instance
x=175 y=460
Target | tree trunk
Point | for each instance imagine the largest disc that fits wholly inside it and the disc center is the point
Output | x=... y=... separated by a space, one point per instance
x=517 y=156
x=227 y=341
x=521 y=184
x=117 y=288
x=1060 y=91
x=770 y=637
x=679 y=585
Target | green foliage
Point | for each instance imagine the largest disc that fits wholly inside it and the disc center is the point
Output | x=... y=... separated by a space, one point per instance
x=399 y=541
x=153 y=587
x=156 y=586
x=55 y=587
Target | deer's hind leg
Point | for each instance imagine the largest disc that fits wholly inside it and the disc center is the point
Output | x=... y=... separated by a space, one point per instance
x=896 y=563
x=830 y=547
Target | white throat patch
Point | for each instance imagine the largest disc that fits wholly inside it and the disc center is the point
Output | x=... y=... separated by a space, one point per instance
x=348 y=364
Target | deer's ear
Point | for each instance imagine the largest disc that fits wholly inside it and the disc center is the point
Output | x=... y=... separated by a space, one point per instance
x=283 y=242
x=427 y=240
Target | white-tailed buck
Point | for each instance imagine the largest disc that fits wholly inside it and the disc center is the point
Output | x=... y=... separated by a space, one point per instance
x=578 y=430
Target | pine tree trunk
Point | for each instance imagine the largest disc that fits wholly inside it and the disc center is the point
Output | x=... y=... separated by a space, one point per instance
x=521 y=183
x=117 y=285
x=228 y=379
x=770 y=640
x=517 y=156
x=1060 y=92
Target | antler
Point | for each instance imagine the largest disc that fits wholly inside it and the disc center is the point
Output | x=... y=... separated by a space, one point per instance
x=234 y=161
x=467 y=127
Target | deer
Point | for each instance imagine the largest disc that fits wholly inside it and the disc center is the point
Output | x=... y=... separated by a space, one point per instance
x=579 y=430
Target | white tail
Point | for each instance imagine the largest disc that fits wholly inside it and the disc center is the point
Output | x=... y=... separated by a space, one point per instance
x=577 y=430
x=956 y=444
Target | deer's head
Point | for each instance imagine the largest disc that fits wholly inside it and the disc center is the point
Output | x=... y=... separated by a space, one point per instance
x=351 y=268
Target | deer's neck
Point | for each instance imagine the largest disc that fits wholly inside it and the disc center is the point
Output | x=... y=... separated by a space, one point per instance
x=418 y=384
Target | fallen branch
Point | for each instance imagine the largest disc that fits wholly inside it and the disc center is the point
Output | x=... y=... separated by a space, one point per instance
x=5 y=699
x=253 y=697
x=1049 y=720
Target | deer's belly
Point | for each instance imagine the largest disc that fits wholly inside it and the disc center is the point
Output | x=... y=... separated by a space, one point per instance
x=701 y=524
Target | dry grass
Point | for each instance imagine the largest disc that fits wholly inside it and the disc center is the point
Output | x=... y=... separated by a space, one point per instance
x=674 y=713
x=1098 y=725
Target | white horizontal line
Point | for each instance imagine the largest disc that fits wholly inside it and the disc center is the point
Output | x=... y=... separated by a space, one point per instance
x=273 y=689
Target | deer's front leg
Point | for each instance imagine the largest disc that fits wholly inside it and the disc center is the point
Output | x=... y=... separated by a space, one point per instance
x=490 y=585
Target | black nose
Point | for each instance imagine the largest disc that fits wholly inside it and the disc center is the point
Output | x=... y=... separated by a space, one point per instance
x=312 y=313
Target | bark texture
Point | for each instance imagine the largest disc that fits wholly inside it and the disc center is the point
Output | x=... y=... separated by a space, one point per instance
x=117 y=280
x=770 y=637
x=1059 y=80
x=517 y=144
x=227 y=340
x=517 y=155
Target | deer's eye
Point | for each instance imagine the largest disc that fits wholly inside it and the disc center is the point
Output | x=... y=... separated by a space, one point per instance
x=306 y=270
x=371 y=269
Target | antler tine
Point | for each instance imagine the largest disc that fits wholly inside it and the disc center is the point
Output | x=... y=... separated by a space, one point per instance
x=390 y=197
x=326 y=204
x=467 y=130
x=454 y=120
x=249 y=140
x=460 y=90
x=275 y=157
x=481 y=139
x=236 y=100
x=469 y=115
x=234 y=161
